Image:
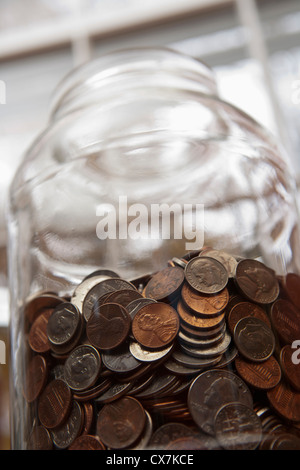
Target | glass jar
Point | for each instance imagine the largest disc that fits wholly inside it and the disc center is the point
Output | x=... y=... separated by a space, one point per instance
x=141 y=166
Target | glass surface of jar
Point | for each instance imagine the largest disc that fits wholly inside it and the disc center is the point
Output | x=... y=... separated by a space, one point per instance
x=141 y=163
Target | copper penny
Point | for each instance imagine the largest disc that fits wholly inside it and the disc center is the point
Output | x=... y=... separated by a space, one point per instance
x=285 y=319
x=98 y=293
x=39 y=302
x=36 y=378
x=155 y=325
x=256 y=281
x=121 y=423
x=87 y=442
x=254 y=339
x=54 y=404
x=165 y=284
x=195 y=321
x=237 y=427
x=168 y=433
x=40 y=439
x=260 y=375
x=204 y=304
x=206 y=275
x=38 y=338
x=285 y=401
x=246 y=309
x=82 y=367
x=65 y=435
x=290 y=369
x=210 y=391
x=108 y=326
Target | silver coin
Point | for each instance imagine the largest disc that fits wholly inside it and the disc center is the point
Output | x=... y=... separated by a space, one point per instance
x=147 y=355
x=83 y=288
x=199 y=343
x=193 y=362
x=226 y=259
x=146 y=436
x=214 y=351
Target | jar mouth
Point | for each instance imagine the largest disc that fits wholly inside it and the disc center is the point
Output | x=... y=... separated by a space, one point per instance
x=124 y=69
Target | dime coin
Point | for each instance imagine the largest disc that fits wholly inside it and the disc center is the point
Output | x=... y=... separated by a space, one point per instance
x=206 y=275
x=108 y=326
x=246 y=309
x=63 y=323
x=254 y=339
x=155 y=325
x=256 y=281
x=226 y=259
x=237 y=427
x=147 y=355
x=82 y=367
x=120 y=360
x=211 y=390
x=121 y=423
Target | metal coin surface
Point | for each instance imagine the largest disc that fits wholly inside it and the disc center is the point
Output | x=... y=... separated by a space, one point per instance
x=54 y=404
x=39 y=302
x=147 y=355
x=108 y=326
x=82 y=367
x=260 y=375
x=237 y=427
x=135 y=305
x=165 y=284
x=36 y=378
x=168 y=433
x=246 y=309
x=96 y=294
x=290 y=368
x=66 y=434
x=121 y=423
x=285 y=319
x=123 y=297
x=197 y=322
x=40 y=439
x=211 y=390
x=87 y=442
x=206 y=275
x=155 y=325
x=226 y=259
x=38 y=338
x=205 y=304
x=83 y=288
x=120 y=360
x=257 y=282
x=213 y=351
x=285 y=401
x=254 y=339
x=63 y=323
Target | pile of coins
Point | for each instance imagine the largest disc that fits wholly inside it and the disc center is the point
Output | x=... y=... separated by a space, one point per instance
x=195 y=356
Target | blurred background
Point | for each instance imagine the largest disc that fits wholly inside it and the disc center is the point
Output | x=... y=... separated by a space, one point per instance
x=253 y=47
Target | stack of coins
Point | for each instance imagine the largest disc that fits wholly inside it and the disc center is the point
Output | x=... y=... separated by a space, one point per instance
x=197 y=355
